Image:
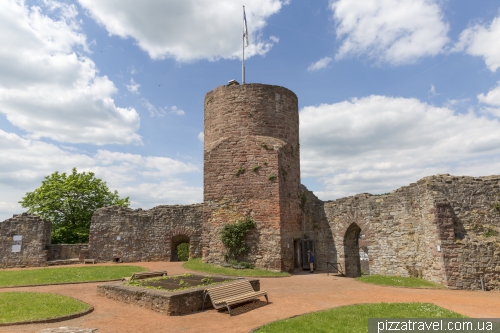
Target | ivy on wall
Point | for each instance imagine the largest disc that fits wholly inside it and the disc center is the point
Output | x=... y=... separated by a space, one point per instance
x=233 y=237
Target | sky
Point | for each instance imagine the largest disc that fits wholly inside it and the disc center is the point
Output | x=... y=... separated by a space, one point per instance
x=390 y=91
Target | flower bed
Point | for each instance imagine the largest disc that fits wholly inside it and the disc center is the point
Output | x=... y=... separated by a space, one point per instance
x=171 y=302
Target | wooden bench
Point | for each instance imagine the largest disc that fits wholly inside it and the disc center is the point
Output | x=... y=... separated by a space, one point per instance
x=89 y=261
x=147 y=275
x=232 y=293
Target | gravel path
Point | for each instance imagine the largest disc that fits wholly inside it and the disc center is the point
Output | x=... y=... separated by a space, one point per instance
x=298 y=294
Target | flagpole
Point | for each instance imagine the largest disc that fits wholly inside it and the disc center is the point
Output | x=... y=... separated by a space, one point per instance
x=243 y=44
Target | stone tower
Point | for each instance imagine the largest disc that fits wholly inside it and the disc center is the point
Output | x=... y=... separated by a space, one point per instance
x=252 y=168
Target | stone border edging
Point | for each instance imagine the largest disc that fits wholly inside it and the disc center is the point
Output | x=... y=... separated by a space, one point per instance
x=52 y=320
x=57 y=284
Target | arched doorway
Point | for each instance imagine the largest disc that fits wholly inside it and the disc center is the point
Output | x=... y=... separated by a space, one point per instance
x=351 y=251
x=176 y=241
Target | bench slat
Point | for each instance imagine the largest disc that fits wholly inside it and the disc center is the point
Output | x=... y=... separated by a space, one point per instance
x=233 y=293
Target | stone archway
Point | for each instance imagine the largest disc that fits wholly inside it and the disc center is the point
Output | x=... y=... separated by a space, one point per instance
x=176 y=240
x=351 y=251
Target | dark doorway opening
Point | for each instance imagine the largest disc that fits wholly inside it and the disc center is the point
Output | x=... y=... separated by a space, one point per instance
x=307 y=244
x=296 y=254
x=351 y=251
x=176 y=241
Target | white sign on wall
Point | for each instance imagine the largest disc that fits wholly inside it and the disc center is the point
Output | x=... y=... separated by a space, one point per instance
x=17 y=241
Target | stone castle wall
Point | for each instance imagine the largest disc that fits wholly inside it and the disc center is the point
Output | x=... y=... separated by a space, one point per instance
x=66 y=251
x=35 y=234
x=442 y=228
x=250 y=133
x=119 y=233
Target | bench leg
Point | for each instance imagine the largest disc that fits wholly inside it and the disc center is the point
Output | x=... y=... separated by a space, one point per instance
x=204 y=298
x=229 y=309
x=267 y=300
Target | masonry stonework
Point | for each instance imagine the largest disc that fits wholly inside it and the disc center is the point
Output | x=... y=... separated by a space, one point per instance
x=252 y=168
x=124 y=234
x=442 y=228
x=35 y=234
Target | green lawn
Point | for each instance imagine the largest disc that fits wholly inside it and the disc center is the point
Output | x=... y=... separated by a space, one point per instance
x=199 y=266
x=23 y=306
x=65 y=275
x=354 y=318
x=398 y=281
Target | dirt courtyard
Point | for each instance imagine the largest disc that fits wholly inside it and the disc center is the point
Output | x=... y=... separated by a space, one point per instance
x=298 y=294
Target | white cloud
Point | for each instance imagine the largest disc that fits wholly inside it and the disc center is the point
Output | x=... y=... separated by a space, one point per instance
x=377 y=144
x=201 y=137
x=492 y=98
x=175 y=110
x=187 y=30
x=153 y=110
x=161 y=111
x=432 y=91
x=133 y=87
x=482 y=40
x=320 y=64
x=48 y=88
x=394 y=31
x=148 y=180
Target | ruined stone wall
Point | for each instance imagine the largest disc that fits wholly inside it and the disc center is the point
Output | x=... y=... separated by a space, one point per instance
x=315 y=226
x=35 y=234
x=65 y=251
x=468 y=212
x=251 y=132
x=442 y=228
x=397 y=232
x=144 y=235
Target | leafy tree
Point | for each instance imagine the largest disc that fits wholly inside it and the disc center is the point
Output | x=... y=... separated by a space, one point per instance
x=69 y=203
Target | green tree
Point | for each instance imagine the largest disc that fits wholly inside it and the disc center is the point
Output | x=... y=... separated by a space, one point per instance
x=69 y=203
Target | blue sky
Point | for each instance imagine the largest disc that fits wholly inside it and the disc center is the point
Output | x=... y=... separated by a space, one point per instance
x=389 y=91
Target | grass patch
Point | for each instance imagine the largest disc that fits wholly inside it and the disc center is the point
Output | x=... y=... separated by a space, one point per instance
x=65 y=275
x=199 y=266
x=398 y=281
x=24 y=306
x=354 y=318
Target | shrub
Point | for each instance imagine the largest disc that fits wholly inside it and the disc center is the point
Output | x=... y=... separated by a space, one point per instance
x=183 y=251
x=233 y=237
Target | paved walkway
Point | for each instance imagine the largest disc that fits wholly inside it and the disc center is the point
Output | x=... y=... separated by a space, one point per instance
x=301 y=293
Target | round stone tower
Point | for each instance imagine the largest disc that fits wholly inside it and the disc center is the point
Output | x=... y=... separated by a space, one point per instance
x=252 y=169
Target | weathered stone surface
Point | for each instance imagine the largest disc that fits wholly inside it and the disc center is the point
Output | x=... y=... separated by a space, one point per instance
x=35 y=234
x=442 y=228
x=66 y=251
x=252 y=168
x=145 y=235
